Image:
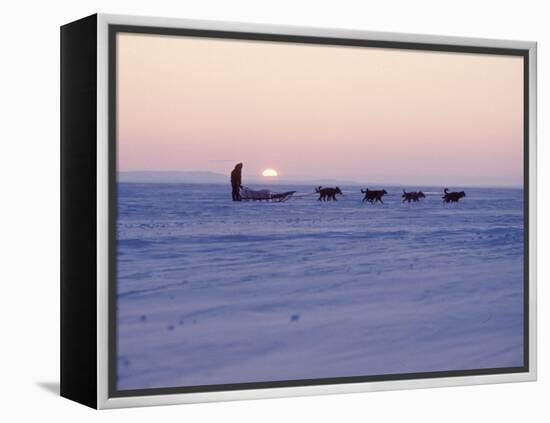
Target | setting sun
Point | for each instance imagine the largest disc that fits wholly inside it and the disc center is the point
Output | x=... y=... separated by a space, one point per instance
x=269 y=172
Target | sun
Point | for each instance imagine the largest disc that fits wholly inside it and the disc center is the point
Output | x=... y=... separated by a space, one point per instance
x=270 y=173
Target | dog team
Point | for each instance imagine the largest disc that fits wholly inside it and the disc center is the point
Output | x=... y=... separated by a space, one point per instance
x=375 y=196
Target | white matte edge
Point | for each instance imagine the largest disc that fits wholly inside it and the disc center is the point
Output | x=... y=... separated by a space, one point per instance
x=102 y=212
x=103 y=400
x=533 y=166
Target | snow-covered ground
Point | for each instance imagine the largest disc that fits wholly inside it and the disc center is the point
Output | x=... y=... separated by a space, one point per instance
x=211 y=291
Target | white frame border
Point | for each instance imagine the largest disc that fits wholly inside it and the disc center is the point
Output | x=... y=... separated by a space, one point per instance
x=103 y=401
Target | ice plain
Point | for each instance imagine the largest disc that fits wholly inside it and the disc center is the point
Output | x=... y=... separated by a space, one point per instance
x=211 y=291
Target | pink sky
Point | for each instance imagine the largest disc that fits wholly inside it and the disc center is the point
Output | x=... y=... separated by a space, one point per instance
x=315 y=111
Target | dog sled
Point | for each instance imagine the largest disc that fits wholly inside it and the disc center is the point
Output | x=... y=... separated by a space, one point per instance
x=248 y=194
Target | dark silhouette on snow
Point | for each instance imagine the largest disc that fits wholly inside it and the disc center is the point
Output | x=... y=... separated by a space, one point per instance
x=412 y=196
x=374 y=196
x=236 y=182
x=328 y=194
x=452 y=197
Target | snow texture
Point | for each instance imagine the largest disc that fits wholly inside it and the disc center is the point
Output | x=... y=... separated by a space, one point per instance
x=211 y=291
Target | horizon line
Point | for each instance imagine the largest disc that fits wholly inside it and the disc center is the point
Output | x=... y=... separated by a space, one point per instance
x=343 y=183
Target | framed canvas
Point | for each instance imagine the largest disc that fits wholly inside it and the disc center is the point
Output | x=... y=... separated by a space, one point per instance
x=254 y=211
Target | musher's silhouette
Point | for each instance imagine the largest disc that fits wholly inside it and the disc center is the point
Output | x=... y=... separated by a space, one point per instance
x=236 y=181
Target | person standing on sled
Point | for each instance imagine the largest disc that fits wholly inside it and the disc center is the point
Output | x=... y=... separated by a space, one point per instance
x=236 y=181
